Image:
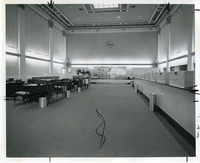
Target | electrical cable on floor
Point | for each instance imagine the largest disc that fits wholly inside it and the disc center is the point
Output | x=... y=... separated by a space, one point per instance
x=103 y=137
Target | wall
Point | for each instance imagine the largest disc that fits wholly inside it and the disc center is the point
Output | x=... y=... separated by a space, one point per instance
x=29 y=36
x=12 y=66
x=33 y=48
x=12 y=28
x=36 y=67
x=128 y=48
x=176 y=39
x=139 y=72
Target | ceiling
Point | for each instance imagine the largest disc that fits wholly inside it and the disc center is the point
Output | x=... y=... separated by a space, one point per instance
x=85 y=16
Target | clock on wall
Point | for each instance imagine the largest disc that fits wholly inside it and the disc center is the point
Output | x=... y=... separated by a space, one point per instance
x=110 y=44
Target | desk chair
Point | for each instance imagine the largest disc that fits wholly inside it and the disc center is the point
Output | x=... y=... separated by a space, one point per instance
x=22 y=92
x=59 y=88
x=75 y=85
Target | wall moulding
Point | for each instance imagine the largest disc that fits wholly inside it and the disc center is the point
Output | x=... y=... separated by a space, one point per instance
x=177 y=58
x=21 y=6
x=14 y=54
x=172 y=12
x=41 y=59
x=32 y=11
x=111 y=30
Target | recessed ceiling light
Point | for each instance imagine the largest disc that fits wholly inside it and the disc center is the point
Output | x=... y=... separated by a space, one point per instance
x=139 y=16
x=79 y=18
x=98 y=18
x=118 y=16
x=70 y=6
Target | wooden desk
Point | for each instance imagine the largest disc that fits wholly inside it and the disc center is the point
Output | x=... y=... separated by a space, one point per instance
x=37 y=91
x=12 y=86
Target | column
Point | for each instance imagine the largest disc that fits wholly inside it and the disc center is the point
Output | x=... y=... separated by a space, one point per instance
x=64 y=50
x=50 y=45
x=190 y=66
x=169 y=42
x=158 y=49
x=22 y=41
x=67 y=56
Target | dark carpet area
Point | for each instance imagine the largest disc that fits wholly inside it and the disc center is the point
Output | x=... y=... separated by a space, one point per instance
x=67 y=127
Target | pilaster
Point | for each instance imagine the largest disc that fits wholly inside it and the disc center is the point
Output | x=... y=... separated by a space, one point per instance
x=21 y=42
x=169 y=42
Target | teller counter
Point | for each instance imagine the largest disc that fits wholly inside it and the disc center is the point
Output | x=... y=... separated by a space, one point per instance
x=174 y=103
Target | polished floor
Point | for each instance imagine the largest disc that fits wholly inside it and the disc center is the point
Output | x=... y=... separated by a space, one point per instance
x=72 y=127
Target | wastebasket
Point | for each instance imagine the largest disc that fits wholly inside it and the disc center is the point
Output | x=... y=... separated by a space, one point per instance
x=42 y=102
x=152 y=101
x=68 y=94
x=75 y=88
x=79 y=89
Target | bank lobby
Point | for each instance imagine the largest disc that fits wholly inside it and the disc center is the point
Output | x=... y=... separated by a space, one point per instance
x=101 y=81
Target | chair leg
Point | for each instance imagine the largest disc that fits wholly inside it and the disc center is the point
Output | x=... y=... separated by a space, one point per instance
x=14 y=99
x=26 y=100
x=48 y=103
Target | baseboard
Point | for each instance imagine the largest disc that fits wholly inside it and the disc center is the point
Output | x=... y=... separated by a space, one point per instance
x=178 y=127
x=144 y=96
